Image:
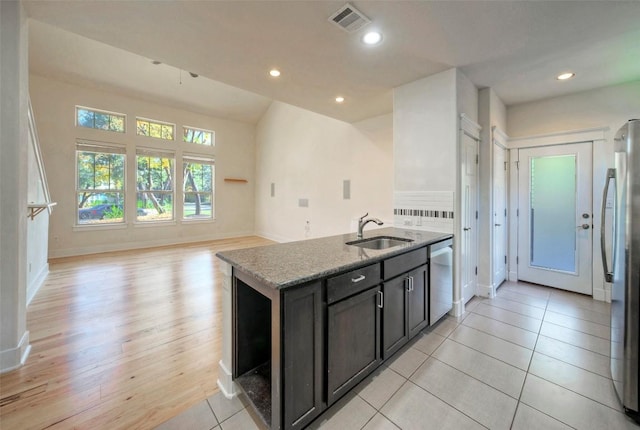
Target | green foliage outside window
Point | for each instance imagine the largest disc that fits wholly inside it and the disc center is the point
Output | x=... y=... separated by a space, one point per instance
x=90 y=118
x=159 y=130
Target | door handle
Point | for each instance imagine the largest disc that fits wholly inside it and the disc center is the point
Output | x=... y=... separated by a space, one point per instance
x=608 y=276
x=467 y=228
x=358 y=279
x=497 y=225
x=380 y=299
x=584 y=226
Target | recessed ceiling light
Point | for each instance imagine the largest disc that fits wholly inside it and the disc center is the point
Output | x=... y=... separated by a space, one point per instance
x=565 y=76
x=339 y=99
x=372 y=38
x=156 y=62
x=274 y=72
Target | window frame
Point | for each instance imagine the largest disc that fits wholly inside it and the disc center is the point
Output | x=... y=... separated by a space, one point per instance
x=100 y=148
x=155 y=122
x=163 y=154
x=202 y=160
x=101 y=111
x=195 y=129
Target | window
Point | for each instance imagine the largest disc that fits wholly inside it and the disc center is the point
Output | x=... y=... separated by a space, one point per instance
x=155 y=186
x=100 y=171
x=198 y=136
x=151 y=128
x=198 y=188
x=100 y=120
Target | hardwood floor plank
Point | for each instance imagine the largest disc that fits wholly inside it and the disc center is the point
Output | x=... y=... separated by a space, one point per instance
x=121 y=340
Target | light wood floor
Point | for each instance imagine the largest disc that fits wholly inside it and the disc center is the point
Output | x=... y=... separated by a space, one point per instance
x=121 y=340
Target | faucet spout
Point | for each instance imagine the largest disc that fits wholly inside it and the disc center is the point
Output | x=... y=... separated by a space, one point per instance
x=362 y=222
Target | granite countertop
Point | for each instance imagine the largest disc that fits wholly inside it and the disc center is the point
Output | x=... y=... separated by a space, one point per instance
x=287 y=264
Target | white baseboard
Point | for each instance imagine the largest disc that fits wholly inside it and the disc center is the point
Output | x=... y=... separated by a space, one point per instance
x=37 y=282
x=458 y=308
x=11 y=359
x=110 y=247
x=602 y=295
x=275 y=237
x=225 y=382
x=485 y=291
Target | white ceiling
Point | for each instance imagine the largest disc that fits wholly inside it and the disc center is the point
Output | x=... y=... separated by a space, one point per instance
x=516 y=47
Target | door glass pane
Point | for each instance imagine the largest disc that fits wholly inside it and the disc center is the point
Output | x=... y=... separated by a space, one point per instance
x=553 y=212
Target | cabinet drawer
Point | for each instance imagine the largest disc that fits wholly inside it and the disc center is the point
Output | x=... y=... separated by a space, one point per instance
x=347 y=284
x=394 y=266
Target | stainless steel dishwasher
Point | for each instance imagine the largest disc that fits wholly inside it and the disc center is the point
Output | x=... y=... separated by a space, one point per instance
x=440 y=279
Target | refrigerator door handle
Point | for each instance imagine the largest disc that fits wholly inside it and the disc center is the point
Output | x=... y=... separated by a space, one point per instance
x=608 y=276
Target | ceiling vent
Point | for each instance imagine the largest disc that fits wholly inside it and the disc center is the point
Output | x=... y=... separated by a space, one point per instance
x=349 y=18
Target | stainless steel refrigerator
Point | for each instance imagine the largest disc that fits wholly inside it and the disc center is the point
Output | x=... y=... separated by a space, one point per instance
x=621 y=204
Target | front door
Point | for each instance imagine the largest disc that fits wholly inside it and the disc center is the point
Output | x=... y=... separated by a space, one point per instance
x=555 y=216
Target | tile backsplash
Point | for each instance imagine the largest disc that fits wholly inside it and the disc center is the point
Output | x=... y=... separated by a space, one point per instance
x=424 y=210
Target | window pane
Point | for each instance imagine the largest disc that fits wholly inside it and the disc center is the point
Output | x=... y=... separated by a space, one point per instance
x=142 y=128
x=197 y=206
x=85 y=118
x=154 y=206
x=116 y=123
x=200 y=137
x=155 y=130
x=100 y=207
x=100 y=171
x=167 y=132
x=102 y=121
x=553 y=207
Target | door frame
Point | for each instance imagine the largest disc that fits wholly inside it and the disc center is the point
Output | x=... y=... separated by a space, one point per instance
x=499 y=139
x=602 y=159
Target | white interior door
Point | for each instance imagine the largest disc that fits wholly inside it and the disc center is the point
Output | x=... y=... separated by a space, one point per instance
x=499 y=215
x=555 y=221
x=468 y=239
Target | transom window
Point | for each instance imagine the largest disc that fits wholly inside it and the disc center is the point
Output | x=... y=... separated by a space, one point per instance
x=198 y=136
x=100 y=120
x=155 y=185
x=198 y=188
x=156 y=129
x=100 y=185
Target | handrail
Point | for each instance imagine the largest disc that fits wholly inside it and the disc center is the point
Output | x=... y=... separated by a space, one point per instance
x=36 y=208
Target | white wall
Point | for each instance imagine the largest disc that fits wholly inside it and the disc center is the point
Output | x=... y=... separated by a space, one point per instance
x=308 y=156
x=54 y=107
x=14 y=94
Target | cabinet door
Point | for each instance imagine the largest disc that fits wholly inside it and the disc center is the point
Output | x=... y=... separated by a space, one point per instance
x=353 y=341
x=418 y=298
x=303 y=354
x=394 y=315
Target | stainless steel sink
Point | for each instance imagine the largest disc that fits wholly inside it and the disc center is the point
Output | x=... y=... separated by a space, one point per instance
x=380 y=242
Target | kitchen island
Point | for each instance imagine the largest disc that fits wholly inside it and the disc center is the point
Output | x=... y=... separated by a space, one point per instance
x=304 y=322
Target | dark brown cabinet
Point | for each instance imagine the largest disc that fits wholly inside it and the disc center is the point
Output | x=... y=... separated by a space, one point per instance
x=353 y=341
x=302 y=363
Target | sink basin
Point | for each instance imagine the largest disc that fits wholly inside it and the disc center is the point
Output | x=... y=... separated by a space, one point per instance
x=379 y=242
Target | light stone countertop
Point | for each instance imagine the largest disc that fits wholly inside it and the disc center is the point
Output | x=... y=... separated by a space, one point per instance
x=286 y=264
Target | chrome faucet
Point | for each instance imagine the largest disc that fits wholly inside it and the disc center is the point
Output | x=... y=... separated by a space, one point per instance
x=362 y=222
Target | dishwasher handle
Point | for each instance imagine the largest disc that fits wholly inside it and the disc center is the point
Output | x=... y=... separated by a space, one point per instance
x=608 y=276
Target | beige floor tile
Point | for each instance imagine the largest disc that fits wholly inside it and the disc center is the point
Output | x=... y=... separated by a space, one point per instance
x=378 y=388
x=508 y=317
x=495 y=373
x=412 y=408
x=471 y=304
x=488 y=406
x=583 y=382
x=224 y=408
x=580 y=301
x=495 y=347
x=241 y=421
x=517 y=307
x=502 y=330
x=528 y=418
x=522 y=298
x=199 y=417
x=380 y=422
x=428 y=342
x=529 y=289
x=576 y=338
x=406 y=361
x=584 y=326
x=580 y=313
x=350 y=412
x=574 y=355
x=571 y=408
x=445 y=326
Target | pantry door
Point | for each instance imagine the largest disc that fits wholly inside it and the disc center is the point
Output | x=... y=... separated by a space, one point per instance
x=555 y=216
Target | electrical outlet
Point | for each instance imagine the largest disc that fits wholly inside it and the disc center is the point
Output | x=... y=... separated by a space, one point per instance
x=407 y=221
x=307 y=229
